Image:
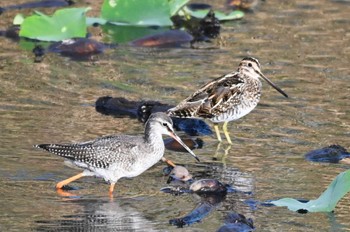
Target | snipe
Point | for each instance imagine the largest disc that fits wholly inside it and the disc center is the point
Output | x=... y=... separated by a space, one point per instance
x=226 y=98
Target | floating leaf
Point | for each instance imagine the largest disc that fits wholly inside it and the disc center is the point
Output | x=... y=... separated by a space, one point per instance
x=328 y=199
x=137 y=12
x=18 y=20
x=176 y=5
x=64 y=24
x=236 y=14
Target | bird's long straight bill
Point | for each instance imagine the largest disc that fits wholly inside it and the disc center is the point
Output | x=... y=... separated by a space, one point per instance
x=177 y=138
x=273 y=85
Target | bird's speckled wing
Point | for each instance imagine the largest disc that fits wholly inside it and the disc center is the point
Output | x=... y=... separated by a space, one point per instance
x=99 y=153
x=212 y=99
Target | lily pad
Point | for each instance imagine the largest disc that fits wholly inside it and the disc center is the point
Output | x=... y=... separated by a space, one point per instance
x=326 y=202
x=137 y=12
x=64 y=24
x=236 y=14
x=18 y=20
x=176 y=5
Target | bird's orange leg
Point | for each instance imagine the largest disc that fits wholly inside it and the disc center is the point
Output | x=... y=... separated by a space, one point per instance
x=63 y=193
x=169 y=162
x=62 y=183
x=111 y=188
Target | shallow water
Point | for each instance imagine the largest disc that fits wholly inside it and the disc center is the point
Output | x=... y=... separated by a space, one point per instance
x=303 y=46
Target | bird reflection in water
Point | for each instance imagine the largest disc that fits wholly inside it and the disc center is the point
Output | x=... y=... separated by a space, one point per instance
x=98 y=215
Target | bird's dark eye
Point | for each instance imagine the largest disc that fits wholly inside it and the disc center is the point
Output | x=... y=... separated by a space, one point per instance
x=165 y=124
x=250 y=65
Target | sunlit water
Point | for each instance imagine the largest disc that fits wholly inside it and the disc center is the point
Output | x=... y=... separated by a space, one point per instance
x=303 y=46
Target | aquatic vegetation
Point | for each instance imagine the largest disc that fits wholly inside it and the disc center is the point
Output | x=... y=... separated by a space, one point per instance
x=128 y=19
x=137 y=13
x=64 y=24
x=236 y=14
x=326 y=202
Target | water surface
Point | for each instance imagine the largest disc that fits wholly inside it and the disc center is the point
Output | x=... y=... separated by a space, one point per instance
x=303 y=46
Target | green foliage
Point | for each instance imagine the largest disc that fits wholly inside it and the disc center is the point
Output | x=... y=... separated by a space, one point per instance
x=133 y=18
x=237 y=14
x=18 y=20
x=64 y=24
x=328 y=199
x=136 y=12
x=176 y=5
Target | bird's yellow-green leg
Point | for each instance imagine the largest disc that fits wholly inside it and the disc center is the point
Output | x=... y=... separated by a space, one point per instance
x=59 y=185
x=227 y=135
x=217 y=131
x=215 y=157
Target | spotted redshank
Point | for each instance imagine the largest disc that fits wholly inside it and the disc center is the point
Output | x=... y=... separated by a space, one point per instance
x=116 y=156
x=226 y=98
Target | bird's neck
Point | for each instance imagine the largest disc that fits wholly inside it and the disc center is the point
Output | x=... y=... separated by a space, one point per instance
x=153 y=138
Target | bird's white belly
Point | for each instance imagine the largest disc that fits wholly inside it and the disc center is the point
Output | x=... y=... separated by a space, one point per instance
x=116 y=171
x=113 y=174
x=233 y=114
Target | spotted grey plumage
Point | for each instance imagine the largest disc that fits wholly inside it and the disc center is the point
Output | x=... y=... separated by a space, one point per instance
x=226 y=98
x=116 y=156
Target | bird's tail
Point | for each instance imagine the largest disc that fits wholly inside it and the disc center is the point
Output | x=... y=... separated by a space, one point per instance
x=66 y=151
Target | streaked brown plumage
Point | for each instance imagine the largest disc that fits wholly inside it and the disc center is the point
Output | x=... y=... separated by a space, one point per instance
x=226 y=98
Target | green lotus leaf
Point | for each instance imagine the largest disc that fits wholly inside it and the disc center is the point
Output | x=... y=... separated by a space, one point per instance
x=328 y=199
x=137 y=12
x=64 y=24
x=236 y=14
x=176 y=5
